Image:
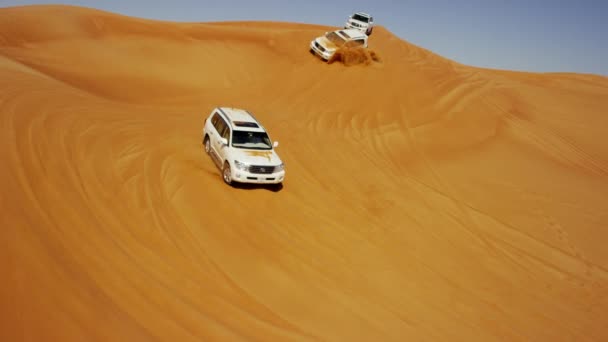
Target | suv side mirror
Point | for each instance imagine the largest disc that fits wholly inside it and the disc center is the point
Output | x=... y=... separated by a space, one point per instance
x=224 y=141
x=275 y=144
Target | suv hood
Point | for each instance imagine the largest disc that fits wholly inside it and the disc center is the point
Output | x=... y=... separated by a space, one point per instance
x=257 y=157
x=326 y=43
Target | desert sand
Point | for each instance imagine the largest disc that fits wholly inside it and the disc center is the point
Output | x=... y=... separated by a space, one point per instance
x=424 y=199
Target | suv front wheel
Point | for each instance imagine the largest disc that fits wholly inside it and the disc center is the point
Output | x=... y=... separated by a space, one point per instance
x=226 y=174
x=207 y=144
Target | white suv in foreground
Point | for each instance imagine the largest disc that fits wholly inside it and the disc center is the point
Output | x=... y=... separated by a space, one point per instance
x=325 y=46
x=241 y=148
x=361 y=21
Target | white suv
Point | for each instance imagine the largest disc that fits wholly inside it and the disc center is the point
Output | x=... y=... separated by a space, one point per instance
x=325 y=46
x=241 y=148
x=361 y=21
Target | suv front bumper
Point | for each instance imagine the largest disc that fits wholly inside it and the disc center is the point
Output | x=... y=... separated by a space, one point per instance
x=256 y=178
x=323 y=54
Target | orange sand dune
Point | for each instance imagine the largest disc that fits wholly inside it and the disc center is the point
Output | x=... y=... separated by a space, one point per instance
x=424 y=200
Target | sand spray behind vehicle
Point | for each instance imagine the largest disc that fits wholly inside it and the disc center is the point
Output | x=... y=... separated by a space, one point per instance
x=355 y=56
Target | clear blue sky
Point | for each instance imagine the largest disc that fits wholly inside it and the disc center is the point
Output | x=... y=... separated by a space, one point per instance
x=542 y=35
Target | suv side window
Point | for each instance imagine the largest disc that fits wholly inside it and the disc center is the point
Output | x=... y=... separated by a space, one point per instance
x=354 y=43
x=215 y=121
x=226 y=133
x=222 y=128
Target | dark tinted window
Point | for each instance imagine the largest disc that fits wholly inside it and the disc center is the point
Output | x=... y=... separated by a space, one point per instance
x=335 y=38
x=215 y=121
x=245 y=124
x=251 y=140
x=220 y=125
x=354 y=43
x=225 y=133
x=360 y=18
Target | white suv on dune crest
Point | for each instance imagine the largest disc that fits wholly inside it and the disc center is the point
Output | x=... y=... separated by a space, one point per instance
x=360 y=21
x=241 y=148
x=326 y=45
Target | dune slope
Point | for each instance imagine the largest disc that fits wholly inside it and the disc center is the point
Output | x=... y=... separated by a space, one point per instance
x=424 y=200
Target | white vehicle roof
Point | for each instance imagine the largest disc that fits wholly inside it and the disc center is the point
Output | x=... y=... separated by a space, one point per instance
x=241 y=119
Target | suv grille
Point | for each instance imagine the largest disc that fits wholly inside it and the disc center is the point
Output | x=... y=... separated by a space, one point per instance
x=261 y=169
x=322 y=49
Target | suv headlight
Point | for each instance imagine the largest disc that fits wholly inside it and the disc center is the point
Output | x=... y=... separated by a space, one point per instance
x=241 y=166
x=280 y=167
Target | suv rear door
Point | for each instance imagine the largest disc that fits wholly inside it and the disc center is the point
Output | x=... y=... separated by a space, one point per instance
x=225 y=133
x=357 y=42
x=361 y=42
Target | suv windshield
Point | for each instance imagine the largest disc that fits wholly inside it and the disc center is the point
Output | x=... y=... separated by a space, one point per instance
x=360 y=18
x=251 y=140
x=334 y=38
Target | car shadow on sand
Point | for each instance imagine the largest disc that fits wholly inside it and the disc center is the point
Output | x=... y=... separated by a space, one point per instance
x=250 y=186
